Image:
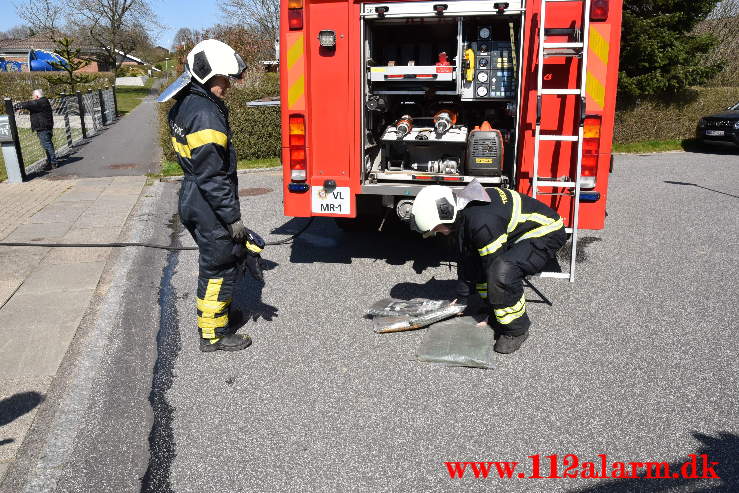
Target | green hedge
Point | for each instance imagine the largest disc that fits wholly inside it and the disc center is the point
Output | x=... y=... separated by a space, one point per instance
x=656 y=120
x=19 y=85
x=256 y=131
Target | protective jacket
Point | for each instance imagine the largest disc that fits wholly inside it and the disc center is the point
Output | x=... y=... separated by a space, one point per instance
x=42 y=117
x=504 y=236
x=209 y=199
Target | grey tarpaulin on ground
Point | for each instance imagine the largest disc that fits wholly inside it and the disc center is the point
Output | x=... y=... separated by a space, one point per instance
x=458 y=342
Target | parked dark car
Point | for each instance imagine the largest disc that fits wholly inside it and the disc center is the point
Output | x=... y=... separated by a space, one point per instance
x=723 y=127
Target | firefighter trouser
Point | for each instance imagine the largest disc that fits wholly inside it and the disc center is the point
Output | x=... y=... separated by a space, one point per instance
x=218 y=261
x=507 y=272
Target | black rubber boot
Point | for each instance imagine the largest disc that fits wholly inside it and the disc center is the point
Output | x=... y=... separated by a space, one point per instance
x=228 y=342
x=508 y=344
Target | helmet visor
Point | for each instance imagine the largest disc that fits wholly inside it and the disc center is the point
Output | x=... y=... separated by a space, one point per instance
x=241 y=67
x=179 y=84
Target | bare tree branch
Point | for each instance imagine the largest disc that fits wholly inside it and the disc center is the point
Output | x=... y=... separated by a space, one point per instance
x=42 y=15
x=261 y=15
x=115 y=27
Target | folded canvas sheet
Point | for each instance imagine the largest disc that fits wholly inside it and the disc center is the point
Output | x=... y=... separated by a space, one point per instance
x=458 y=342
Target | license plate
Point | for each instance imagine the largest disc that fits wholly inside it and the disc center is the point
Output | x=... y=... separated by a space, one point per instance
x=337 y=201
x=715 y=133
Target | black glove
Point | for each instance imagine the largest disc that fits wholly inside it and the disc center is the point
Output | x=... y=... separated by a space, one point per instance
x=254 y=243
x=237 y=231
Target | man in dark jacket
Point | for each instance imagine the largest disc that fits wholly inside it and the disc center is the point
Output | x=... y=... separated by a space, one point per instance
x=209 y=201
x=42 y=122
x=503 y=236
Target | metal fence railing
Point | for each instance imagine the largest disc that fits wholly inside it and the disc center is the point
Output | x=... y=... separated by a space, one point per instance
x=76 y=117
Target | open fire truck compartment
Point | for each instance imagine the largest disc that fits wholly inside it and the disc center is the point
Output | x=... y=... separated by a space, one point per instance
x=380 y=99
x=440 y=94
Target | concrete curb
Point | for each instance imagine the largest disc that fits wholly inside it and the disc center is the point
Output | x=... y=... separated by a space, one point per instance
x=238 y=172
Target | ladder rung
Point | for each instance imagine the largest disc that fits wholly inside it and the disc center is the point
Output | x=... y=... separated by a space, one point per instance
x=552 y=183
x=561 y=45
x=563 y=138
x=565 y=52
x=560 y=91
x=559 y=275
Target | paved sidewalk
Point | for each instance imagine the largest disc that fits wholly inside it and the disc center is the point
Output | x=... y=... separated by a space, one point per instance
x=129 y=147
x=45 y=292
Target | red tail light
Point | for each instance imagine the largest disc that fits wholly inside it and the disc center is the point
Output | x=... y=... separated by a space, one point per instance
x=295 y=19
x=590 y=148
x=296 y=133
x=599 y=10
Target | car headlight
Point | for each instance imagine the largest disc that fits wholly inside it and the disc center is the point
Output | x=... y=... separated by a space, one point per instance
x=736 y=125
x=701 y=123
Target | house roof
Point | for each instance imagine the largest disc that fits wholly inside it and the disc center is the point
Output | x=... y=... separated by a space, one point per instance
x=42 y=41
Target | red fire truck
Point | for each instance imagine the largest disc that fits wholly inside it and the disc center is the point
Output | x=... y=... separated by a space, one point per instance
x=380 y=99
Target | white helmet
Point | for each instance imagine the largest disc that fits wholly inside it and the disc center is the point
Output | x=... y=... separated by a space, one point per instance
x=211 y=57
x=433 y=205
x=206 y=60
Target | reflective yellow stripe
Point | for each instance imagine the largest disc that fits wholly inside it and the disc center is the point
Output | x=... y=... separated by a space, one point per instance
x=494 y=246
x=181 y=149
x=213 y=323
x=482 y=289
x=599 y=45
x=253 y=247
x=537 y=218
x=595 y=89
x=209 y=309
x=295 y=51
x=296 y=90
x=516 y=212
x=511 y=313
x=208 y=319
x=207 y=333
x=542 y=230
x=207 y=136
x=198 y=139
x=213 y=289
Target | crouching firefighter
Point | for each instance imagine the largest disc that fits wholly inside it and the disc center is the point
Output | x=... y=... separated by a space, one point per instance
x=209 y=202
x=502 y=237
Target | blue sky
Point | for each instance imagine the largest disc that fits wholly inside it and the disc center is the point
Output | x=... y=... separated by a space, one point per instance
x=174 y=14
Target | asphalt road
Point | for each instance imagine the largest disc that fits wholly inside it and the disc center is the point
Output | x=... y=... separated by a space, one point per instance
x=637 y=360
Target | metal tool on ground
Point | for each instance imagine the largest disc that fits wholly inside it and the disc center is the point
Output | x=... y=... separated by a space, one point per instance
x=393 y=315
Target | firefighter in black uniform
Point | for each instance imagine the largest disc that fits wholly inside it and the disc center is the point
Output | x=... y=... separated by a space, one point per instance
x=502 y=236
x=209 y=201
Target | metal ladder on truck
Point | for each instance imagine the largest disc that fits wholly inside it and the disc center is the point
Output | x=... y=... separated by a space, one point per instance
x=577 y=49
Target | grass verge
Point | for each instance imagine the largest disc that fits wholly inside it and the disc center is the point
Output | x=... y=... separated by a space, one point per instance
x=171 y=168
x=690 y=145
x=129 y=97
x=31 y=147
